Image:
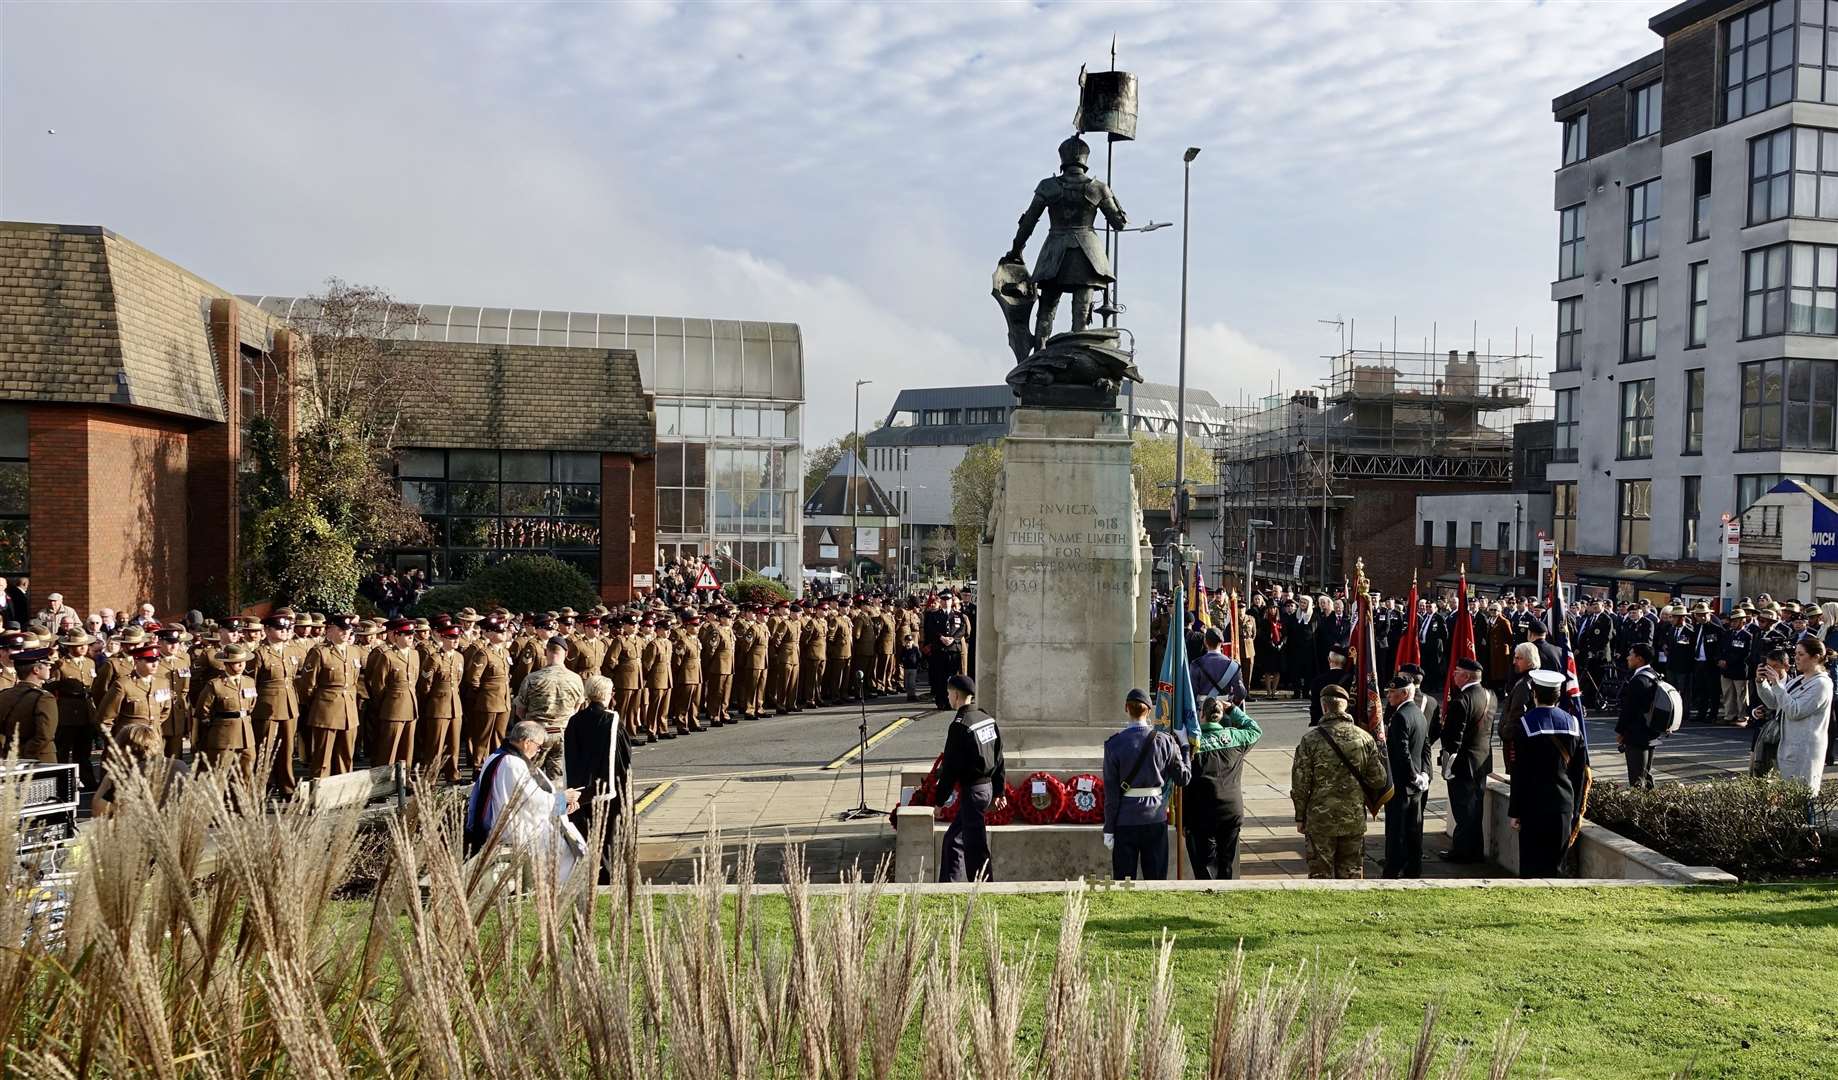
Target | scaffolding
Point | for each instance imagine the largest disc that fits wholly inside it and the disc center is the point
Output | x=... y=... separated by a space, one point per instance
x=1381 y=415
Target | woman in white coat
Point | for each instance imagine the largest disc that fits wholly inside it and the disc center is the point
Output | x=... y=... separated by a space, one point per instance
x=1804 y=703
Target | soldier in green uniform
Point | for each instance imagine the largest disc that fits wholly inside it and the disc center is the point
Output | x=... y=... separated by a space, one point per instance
x=1337 y=782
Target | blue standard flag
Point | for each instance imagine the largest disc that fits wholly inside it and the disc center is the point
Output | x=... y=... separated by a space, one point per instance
x=1174 y=705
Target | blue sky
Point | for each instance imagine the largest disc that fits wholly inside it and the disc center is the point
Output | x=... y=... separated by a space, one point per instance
x=856 y=169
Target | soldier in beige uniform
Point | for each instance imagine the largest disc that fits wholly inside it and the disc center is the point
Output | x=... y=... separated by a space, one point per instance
x=176 y=667
x=329 y=681
x=686 y=673
x=71 y=678
x=439 y=727
x=226 y=734
x=274 y=668
x=813 y=647
x=487 y=693
x=391 y=676
x=114 y=664
x=142 y=694
x=752 y=644
x=28 y=710
x=587 y=649
x=837 y=680
x=717 y=666
x=782 y=658
x=657 y=668
x=624 y=665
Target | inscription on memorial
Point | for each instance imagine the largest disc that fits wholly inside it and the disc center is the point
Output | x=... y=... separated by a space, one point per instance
x=1057 y=540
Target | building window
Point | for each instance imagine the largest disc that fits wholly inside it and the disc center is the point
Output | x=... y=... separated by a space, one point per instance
x=1752 y=486
x=1570 y=242
x=1503 y=544
x=484 y=506
x=1563 y=515
x=1637 y=419
x=938 y=417
x=1643 y=111
x=983 y=416
x=1691 y=491
x=1640 y=309
x=1699 y=330
x=1790 y=289
x=1576 y=138
x=1570 y=334
x=1789 y=405
x=1429 y=541
x=15 y=491
x=1448 y=544
x=1700 y=196
x=1474 y=545
x=1564 y=440
x=1770 y=172
x=1694 y=411
x=1758 y=60
x=1642 y=221
x=1634 y=517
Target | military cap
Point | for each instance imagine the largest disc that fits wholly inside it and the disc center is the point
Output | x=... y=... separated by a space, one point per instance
x=467 y=615
x=14 y=639
x=26 y=658
x=147 y=652
x=599 y=610
x=648 y=622
x=540 y=622
x=73 y=639
x=1766 y=611
x=591 y=620
x=1739 y=613
x=1332 y=692
x=1536 y=625
x=422 y=625
x=963 y=684
x=247 y=622
x=1413 y=670
x=1400 y=681
x=451 y=630
x=280 y=619
x=234 y=654
x=208 y=634
x=566 y=612
x=343 y=620
x=402 y=626
x=131 y=635
x=311 y=618
x=1792 y=607
x=1550 y=680
x=1700 y=608
x=1468 y=663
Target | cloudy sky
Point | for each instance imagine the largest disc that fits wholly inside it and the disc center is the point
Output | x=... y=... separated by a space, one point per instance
x=855 y=169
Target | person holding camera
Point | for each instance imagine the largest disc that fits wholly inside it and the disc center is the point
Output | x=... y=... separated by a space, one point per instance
x=1803 y=703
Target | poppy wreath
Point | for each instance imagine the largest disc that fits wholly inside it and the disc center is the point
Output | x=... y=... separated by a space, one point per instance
x=1043 y=799
x=926 y=794
x=1085 y=799
x=1006 y=815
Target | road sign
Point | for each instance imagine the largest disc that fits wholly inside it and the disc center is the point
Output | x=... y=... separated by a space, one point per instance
x=707 y=581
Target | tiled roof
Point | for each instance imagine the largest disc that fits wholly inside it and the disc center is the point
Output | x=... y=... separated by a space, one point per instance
x=528 y=397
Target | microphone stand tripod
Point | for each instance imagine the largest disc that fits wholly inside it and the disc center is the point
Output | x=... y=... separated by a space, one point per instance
x=861 y=809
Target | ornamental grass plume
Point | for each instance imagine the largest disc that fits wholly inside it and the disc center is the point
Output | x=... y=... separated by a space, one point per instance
x=200 y=933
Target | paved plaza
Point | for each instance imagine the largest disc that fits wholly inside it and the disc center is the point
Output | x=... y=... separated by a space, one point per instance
x=765 y=782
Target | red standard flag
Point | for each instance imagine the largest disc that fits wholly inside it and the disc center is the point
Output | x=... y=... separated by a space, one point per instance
x=1410 y=648
x=1362 y=641
x=1461 y=641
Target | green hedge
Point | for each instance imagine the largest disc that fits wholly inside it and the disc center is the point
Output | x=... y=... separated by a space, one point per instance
x=1756 y=829
x=525 y=583
x=754 y=589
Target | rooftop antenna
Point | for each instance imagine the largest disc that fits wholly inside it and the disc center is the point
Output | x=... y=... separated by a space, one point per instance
x=1339 y=324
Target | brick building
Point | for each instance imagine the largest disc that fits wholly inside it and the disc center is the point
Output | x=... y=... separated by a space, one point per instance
x=126 y=383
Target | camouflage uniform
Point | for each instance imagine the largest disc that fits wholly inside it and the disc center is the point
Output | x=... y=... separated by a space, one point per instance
x=1330 y=805
x=550 y=695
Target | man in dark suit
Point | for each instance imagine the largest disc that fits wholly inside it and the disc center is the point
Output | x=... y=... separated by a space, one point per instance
x=1550 y=657
x=1675 y=645
x=1706 y=650
x=1467 y=748
x=1337 y=674
x=1632 y=736
x=1432 y=632
x=1387 y=626
x=1594 y=637
x=1407 y=747
x=19 y=600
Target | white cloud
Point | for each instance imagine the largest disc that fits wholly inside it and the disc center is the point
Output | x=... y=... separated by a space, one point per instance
x=855 y=168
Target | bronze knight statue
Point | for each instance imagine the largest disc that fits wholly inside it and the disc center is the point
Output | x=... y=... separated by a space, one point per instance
x=1086 y=367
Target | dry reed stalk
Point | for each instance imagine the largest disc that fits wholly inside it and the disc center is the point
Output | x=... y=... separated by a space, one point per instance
x=1164 y=1045
x=1066 y=1041
x=1222 y=1048
x=995 y=1018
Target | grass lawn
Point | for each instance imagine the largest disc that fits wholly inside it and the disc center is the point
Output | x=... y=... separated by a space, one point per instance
x=1624 y=982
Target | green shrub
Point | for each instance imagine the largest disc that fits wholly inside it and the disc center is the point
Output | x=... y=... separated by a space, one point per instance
x=1755 y=829
x=524 y=583
x=753 y=589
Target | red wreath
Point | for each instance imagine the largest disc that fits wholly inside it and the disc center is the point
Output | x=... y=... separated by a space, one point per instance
x=1042 y=799
x=1006 y=815
x=1085 y=799
x=926 y=794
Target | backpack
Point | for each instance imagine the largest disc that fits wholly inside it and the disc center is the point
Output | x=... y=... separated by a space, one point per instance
x=1667 y=711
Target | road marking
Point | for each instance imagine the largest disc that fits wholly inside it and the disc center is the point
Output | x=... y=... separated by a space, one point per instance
x=872 y=740
x=652 y=796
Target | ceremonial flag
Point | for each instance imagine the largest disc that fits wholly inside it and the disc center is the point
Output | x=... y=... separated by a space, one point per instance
x=1560 y=636
x=1461 y=641
x=1363 y=642
x=1174 y=704
x=1235 y=635
x=1410 y=650
x=1197 y=604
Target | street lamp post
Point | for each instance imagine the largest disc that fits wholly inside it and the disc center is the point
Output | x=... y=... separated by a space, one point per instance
x=1179 y=505
x=1116 y=305
x=855 y=460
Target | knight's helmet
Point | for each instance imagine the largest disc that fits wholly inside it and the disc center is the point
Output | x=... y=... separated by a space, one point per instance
x=1074 y=151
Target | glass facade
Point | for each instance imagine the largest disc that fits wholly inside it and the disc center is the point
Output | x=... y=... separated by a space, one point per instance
x=483 y=506
x=730 y=400
x=15 y=489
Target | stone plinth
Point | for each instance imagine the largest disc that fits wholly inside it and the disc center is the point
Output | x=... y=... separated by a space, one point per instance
x=1063 y=597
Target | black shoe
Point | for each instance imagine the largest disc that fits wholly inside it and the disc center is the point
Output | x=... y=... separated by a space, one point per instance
x=1452 y=857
